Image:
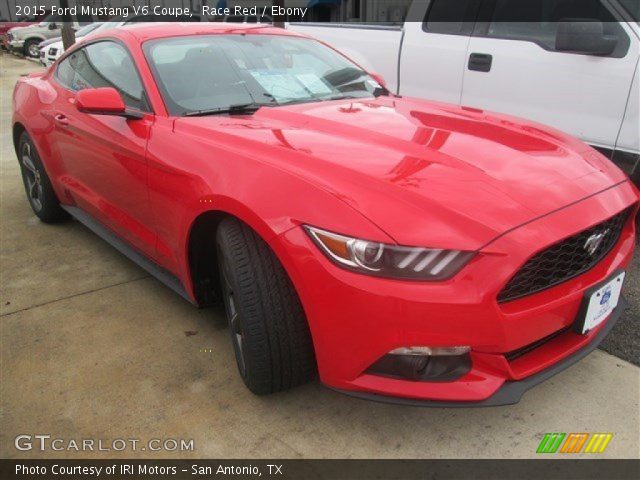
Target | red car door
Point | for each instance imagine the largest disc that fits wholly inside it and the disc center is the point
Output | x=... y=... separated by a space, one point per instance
x=104 y=156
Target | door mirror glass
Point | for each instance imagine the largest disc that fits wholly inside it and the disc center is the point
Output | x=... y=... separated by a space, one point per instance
x=584 y=36
x=100 y=101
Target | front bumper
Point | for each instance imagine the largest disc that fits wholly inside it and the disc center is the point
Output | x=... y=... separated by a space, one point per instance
x=355 y=320
x=512 y=391
x=16 y=44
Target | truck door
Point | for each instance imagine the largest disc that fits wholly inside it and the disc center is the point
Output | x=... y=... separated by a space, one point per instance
x=564 y=63
x=434 y=50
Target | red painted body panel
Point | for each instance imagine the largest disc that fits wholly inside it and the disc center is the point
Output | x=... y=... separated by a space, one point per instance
x=394 y=170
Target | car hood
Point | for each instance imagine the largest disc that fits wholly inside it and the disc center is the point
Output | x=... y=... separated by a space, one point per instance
x=46 y=43
x=22 y=31
x=59 y=44
x=426 y=173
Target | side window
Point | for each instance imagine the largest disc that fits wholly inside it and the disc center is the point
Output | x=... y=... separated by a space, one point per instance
x=103 y=64
x=452 y=17
x=538 y=20
x=65 y=72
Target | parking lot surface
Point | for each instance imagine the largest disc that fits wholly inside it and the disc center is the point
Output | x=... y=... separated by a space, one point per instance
x=91 y=347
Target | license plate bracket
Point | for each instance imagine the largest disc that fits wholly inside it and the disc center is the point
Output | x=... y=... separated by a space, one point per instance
x=599 y=302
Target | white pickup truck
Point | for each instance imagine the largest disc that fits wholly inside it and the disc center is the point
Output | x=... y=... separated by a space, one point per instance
x=573 y=64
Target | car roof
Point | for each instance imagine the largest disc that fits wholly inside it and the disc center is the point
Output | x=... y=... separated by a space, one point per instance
x=150 y=31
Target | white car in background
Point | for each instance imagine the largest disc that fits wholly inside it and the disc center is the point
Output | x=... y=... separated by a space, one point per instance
x=50 y=51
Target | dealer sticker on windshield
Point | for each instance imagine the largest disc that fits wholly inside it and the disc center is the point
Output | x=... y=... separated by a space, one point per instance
x=602 y=302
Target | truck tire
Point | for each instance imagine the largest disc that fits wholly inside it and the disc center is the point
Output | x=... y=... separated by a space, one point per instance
x=30 y=48
x=268 y=327
x=37 y=185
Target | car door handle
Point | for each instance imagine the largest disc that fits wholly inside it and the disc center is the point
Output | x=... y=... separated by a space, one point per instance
x=480 y=62
x=61 y=119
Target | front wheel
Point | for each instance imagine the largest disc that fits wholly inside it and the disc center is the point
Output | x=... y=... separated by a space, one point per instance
x=269 y=330
x=37 y=185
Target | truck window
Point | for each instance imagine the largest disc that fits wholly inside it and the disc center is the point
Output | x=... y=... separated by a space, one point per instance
x=537 y=20
x=453 y=17
x=633 y=7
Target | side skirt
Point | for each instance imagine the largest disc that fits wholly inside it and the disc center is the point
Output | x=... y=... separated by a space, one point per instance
x=123 y=247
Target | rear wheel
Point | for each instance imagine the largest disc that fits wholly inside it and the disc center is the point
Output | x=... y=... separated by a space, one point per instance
x=37 y=185
x=30 y=48
x=269 y=330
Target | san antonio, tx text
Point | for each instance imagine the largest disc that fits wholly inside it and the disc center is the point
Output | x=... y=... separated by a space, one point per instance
x=142 y=469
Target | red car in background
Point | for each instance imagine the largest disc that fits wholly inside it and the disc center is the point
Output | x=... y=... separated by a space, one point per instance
x=22 y=22
x=406 y=250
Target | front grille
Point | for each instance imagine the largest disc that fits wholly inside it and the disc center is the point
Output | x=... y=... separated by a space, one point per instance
x=565 y=260
x=53 y=51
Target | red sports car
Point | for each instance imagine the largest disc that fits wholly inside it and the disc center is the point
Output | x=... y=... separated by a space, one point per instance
x=405 y=250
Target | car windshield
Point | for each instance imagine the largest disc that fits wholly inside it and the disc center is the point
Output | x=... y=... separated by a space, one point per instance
x=209 y=73
x=51 y=18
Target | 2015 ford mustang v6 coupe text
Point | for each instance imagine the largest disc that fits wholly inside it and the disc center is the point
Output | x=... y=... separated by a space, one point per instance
x=405 y=250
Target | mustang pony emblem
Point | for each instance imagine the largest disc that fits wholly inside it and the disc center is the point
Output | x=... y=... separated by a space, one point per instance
x=594 y=241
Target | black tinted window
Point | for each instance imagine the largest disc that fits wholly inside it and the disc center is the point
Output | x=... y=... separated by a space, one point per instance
x=538 y=20
x=633 y=7
x=102 y=64
x=455 y=17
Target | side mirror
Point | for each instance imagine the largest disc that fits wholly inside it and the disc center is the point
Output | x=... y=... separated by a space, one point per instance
x=379 y=78
x=53 y=26
x=103 y=101
x=584 y=36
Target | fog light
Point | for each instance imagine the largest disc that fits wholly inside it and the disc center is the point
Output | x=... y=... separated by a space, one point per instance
x=431 y=351
x=429 y=364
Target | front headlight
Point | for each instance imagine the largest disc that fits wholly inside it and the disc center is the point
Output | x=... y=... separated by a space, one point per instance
x=391 y=261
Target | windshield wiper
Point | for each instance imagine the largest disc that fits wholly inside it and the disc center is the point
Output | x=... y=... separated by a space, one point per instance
x=231 y=109
x=341 y=97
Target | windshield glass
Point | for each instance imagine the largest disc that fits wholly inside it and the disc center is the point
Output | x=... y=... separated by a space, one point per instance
x=215 y=72
x=51 y=18
x=633 y=7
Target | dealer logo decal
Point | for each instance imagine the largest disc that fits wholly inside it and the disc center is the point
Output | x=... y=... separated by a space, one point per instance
x=574 y=443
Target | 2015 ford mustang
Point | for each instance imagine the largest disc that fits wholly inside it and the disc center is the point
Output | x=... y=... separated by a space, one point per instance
x=405 y=250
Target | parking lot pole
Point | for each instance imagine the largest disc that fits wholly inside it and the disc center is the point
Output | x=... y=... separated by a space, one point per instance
x=68 y=33
x=278 y=20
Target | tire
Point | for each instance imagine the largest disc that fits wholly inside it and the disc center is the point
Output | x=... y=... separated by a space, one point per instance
x=268 y=327
x=37 y=185
x=30 y=48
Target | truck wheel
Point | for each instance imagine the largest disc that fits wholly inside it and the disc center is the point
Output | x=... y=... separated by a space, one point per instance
x=30 y=48
x=269 y=330
x=42 y=198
